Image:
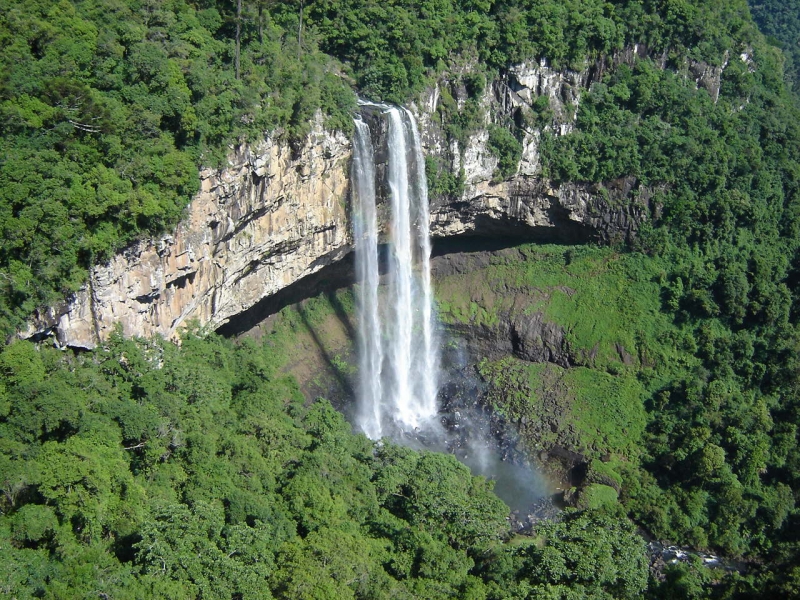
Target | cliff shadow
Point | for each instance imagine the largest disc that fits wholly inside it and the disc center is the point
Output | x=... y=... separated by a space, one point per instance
x=329 y=279
x=337 y=368
x=500 y=236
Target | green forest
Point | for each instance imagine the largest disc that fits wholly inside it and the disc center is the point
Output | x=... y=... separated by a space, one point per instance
x=144 y=469
x=780 y=22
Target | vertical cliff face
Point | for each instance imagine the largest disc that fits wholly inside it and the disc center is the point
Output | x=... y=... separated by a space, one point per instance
x=271 y=217
x=276 y=215
x=527 y=204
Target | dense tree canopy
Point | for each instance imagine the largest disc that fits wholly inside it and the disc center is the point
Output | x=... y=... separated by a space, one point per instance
x=725 y=175
x=149 y=470
x=780 y=21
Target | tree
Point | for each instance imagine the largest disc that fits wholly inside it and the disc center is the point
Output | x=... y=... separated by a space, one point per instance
x=596 y=553
x=238 y=37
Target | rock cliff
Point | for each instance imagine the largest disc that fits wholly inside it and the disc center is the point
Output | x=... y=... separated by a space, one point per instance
x=275 y=216
x=527 y=204
x=268 y=219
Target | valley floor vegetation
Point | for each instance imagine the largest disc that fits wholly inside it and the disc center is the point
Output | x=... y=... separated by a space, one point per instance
x=148 y=470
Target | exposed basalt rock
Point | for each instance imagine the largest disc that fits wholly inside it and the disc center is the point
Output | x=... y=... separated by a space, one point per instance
x=528 y=204
x=518 y=331
x=272 y=217
x=532 y=208
x=537 y=340
x=528 y=337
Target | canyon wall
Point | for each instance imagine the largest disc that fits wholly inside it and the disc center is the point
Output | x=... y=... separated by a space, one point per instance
x=276 y=215
x=271 y=217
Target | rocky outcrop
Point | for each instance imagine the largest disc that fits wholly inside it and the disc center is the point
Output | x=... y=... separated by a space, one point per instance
x=526 y=204
x=519 y=329
x=273 y=216
x=529 y=337
x=535 y=209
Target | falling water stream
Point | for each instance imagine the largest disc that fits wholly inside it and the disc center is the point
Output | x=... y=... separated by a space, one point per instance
x=365 y=226
x=398 y=346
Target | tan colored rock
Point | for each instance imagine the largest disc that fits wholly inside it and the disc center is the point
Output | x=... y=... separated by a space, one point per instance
x=265 y=221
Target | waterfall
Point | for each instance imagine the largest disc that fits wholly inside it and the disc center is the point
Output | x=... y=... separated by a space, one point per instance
x=365 y=230
x=397 y=339
x=397 y=345
x=430 y=354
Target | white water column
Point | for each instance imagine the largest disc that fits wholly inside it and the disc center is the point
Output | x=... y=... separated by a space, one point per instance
x=365 y=229
x=398 y=360
x=428 y=360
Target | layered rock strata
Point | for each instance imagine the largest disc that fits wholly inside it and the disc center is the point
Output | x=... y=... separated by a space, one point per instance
x=273 y=216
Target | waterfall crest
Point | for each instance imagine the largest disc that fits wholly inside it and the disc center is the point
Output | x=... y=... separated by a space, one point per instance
x=398 y=357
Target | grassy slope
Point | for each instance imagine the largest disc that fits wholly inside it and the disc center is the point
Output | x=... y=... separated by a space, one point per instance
x=609 y=306
x=315 y=342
